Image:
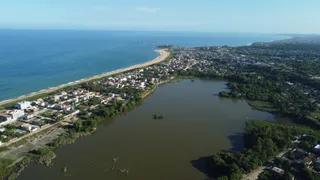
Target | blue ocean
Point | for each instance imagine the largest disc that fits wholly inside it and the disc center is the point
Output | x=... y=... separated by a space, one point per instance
x=32 y=60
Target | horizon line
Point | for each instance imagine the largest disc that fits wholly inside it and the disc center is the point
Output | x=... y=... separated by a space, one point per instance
x=164 y=31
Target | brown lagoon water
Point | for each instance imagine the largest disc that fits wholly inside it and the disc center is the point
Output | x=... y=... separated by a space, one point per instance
x=196 y=123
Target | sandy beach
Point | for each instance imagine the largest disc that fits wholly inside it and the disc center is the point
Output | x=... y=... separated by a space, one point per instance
x=163 y=55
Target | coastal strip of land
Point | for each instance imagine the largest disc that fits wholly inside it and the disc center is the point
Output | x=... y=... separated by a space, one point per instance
x=163 y=55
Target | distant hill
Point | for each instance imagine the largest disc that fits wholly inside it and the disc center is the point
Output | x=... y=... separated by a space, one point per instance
x=301 y=42
x=164 y=46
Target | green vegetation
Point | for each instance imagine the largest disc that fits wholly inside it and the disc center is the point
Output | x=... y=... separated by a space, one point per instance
x=15 y=170
x=44 y=155
x=263 y=140
x=263 y=106
x=47 y=158
x=9 y=133
x=5 y=170
x=164 y=46
x=3 y=148
x=269 y=91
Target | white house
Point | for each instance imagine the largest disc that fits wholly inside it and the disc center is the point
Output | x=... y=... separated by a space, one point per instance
x=123 y=79
x=142 y=85
x=10 y=117
x=77 y=92
x=29 y=127
x=75 y=100
x=40 y=102
x=63 y=93
x=16 y=113
x=57 y=97
x=28 y=116
x=24 y=105
x=67 y=108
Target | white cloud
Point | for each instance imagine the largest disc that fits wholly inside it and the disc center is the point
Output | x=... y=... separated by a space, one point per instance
x=147 y=9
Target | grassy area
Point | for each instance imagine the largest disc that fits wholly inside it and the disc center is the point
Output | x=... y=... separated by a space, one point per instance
x=263 y=106
x=178 y=78
x=293 y=126
x=5 y=170
x=3 y=148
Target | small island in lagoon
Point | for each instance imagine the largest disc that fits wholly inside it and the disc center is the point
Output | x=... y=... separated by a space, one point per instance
x=157 y=116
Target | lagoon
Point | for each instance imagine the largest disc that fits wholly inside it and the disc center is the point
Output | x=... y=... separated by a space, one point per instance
x=196 y=123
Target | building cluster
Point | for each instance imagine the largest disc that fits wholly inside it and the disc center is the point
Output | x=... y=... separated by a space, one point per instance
x=12 y=115
x=298 y=158
x=143 y=79
x=228 y=61
x=32 y=115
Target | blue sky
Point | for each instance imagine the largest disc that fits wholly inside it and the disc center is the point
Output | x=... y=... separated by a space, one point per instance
x=262 y=16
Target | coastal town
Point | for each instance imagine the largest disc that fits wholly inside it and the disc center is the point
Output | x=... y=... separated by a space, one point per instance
x=76 y=105
x=32 y=116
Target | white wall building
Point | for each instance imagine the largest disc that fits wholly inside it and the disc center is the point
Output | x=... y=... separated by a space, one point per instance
x=57 y=97
x=29 y=127
x=16 y=114
x=10 y=117
x=28 y=116
x=24 y=105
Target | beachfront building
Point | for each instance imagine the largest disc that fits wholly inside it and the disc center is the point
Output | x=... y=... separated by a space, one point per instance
x=28 y=116
x=57 y=97
x=16 y=113
x=24 y=105
x=10 y=116
x=5 y=117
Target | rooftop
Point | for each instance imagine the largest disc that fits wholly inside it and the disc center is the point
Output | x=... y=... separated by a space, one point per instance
x=4 y=115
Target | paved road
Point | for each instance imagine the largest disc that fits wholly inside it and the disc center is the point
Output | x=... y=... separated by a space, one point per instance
x=254 y=174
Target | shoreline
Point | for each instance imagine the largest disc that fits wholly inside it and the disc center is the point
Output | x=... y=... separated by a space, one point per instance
x=163 y=55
